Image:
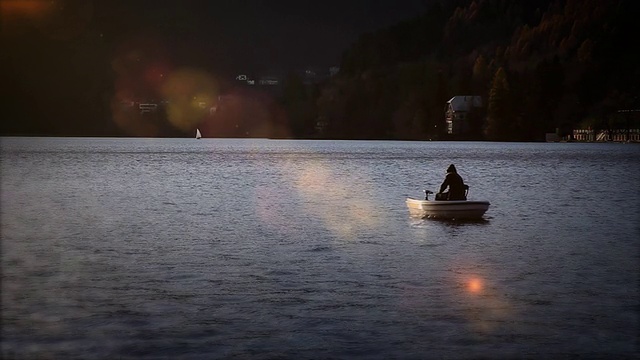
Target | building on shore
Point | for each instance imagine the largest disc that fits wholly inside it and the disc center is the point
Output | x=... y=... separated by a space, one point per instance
x=458 y=113
x=617 y=135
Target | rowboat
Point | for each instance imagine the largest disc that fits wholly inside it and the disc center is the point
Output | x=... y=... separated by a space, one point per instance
x=447 y=209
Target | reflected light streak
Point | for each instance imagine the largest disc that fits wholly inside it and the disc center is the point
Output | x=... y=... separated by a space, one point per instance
x=330 y=197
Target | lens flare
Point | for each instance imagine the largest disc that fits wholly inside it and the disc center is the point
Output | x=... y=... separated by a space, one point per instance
x=245 y=113
x=140 y=64
x=190 y=94
x=129 y=118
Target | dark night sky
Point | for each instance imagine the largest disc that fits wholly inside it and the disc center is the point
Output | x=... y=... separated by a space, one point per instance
x=255 y=35
x=258 y=34
x=70 y=59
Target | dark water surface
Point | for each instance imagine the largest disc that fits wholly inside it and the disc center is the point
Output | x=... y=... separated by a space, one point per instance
x=222 y=248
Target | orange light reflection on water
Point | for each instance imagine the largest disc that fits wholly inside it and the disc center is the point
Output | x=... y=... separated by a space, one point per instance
x=474 y=285
x=486 y=309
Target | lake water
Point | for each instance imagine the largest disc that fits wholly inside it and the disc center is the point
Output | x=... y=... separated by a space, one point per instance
x=262 y=249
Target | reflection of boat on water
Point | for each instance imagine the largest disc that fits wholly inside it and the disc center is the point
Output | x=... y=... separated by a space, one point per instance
x=198 y=135
x=447 y=209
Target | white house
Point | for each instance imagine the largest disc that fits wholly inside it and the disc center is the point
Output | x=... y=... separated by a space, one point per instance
x=457 y=111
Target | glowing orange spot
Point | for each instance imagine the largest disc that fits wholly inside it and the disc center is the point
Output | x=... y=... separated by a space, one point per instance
x=475 y=286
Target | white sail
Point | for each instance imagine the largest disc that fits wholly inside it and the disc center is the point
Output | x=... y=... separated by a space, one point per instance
x=198 y=135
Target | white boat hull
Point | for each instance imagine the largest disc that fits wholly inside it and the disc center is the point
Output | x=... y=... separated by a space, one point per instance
x=464 y=209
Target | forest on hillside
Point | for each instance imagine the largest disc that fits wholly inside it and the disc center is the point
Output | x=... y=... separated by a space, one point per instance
x=540 y=65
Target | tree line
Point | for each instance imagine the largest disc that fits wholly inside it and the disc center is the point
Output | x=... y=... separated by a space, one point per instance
x=540 y=66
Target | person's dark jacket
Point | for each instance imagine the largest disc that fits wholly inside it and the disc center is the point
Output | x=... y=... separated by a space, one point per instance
x=455 y=184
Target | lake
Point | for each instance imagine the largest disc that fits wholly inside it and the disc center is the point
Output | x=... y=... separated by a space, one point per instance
x=131 y=248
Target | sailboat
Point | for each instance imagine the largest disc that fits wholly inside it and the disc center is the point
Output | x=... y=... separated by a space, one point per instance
x=198 y=135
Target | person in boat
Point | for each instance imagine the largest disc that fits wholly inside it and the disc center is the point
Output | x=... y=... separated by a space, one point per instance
x=454 y=182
